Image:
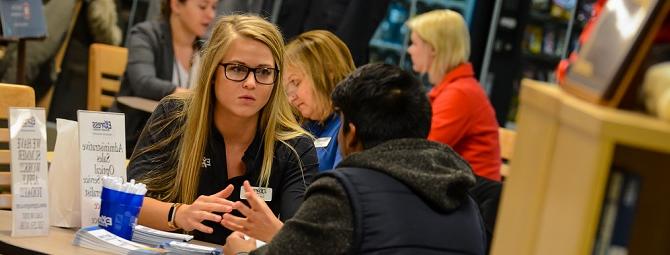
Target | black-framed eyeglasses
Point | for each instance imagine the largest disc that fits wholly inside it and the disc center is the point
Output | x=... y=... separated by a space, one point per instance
x=239 y=72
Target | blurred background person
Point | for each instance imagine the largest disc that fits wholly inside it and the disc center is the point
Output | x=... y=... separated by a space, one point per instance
x=160 y=56
x=353 y=21
x=316 y=61
x=463 y=117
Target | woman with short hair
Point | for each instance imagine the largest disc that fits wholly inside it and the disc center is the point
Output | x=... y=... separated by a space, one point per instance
x=463 y=117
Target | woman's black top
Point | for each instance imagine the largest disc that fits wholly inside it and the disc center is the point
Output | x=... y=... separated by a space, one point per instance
x=287 y=180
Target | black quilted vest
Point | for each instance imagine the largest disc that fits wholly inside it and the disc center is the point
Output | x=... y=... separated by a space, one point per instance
x=391 y=219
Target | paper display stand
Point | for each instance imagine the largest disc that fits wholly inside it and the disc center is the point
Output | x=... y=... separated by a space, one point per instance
x=22 y=20
x=611 y=58
x=30 y=199
x=102 y=148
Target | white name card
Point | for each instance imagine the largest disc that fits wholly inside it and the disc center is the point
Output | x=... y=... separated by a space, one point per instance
x=28 y=149
x=102 y=147
x=263 y=193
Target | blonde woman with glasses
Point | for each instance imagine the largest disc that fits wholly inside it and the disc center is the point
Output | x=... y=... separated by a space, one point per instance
x=198 y=148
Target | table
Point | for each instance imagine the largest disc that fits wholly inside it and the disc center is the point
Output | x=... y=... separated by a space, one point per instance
x=59 y=241
x=139 y=103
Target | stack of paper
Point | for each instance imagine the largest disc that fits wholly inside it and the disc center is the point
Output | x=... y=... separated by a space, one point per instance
x=95 y=238
x=154 y=237
x=182 y=248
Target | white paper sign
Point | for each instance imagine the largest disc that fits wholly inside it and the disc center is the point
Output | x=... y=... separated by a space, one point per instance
x=28 y=147
x=102 y=146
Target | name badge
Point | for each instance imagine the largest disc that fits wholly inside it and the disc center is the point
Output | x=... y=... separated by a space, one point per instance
x=263 y=193
x=321 y=142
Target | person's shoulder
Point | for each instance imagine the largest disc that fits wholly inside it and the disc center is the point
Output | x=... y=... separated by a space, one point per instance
x=301 y=142
x=171 y=104
x=148 y=27
x=326 y=182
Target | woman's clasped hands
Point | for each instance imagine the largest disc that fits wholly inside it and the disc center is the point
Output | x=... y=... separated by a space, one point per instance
x=259 y=221
x=190 y=217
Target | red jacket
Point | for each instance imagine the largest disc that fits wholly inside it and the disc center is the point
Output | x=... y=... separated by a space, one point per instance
x=464 y=119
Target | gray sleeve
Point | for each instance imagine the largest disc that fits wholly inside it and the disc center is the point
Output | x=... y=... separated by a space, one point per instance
x=322 y=225
x=141 y=68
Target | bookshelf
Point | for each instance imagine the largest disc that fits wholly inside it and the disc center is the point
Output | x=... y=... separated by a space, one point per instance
x=564 y=152
x=390 y=41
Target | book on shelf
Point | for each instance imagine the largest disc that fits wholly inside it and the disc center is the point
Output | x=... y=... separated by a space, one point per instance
x=620 y=40
x=618 y=213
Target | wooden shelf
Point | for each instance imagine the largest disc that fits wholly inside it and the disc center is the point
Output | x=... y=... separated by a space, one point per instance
x=564 y=151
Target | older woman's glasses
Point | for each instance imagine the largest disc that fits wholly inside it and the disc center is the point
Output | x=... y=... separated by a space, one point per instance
x=239 y=72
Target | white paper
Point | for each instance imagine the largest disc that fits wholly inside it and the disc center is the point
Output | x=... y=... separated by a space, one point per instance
x=64 y=187
x=102 y=151
x=115 y=240
x=28 y=148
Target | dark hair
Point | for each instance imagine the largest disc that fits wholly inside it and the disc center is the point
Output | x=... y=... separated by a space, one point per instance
x=165 y=9
x=384 y=103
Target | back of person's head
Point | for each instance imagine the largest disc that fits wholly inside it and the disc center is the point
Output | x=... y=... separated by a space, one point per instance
x=324 y=58
x=446 y=31
x=384 y=103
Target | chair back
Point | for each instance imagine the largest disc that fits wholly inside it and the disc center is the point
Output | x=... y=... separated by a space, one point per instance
x=11 y=95
x=106 y=64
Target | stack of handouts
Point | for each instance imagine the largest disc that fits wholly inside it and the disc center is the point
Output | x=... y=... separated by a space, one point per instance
x=155 y=237
x=96 y=238
x=182 y=248
x=174 y=243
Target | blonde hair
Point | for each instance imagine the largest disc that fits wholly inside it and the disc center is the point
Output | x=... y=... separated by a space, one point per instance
x=180 y=182
x=445 y=31
x=325 y=59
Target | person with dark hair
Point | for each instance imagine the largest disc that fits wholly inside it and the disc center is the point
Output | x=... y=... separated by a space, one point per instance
x=395 y=191
x=160 y=56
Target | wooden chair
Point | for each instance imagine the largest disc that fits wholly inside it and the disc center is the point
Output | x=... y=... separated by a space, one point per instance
x=506 y=138
x=10 y=96
x=106 y=65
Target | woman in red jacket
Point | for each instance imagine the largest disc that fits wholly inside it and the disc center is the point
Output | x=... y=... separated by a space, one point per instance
x=463 y=117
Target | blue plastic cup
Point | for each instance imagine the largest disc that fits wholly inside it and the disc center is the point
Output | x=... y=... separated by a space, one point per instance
x=119 y=211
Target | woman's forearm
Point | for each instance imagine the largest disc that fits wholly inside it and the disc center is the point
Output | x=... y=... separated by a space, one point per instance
x=154 y=214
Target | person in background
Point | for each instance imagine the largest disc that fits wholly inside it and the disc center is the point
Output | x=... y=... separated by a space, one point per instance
x=315 y=62
x=236 y=125
x=57 y=67
x=463 y=117
x=353 y=21
x=391 y=174
x=159 y=57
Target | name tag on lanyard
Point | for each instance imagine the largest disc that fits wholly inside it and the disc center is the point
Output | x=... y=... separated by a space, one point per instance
x=322 y=142
x=263 y=193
